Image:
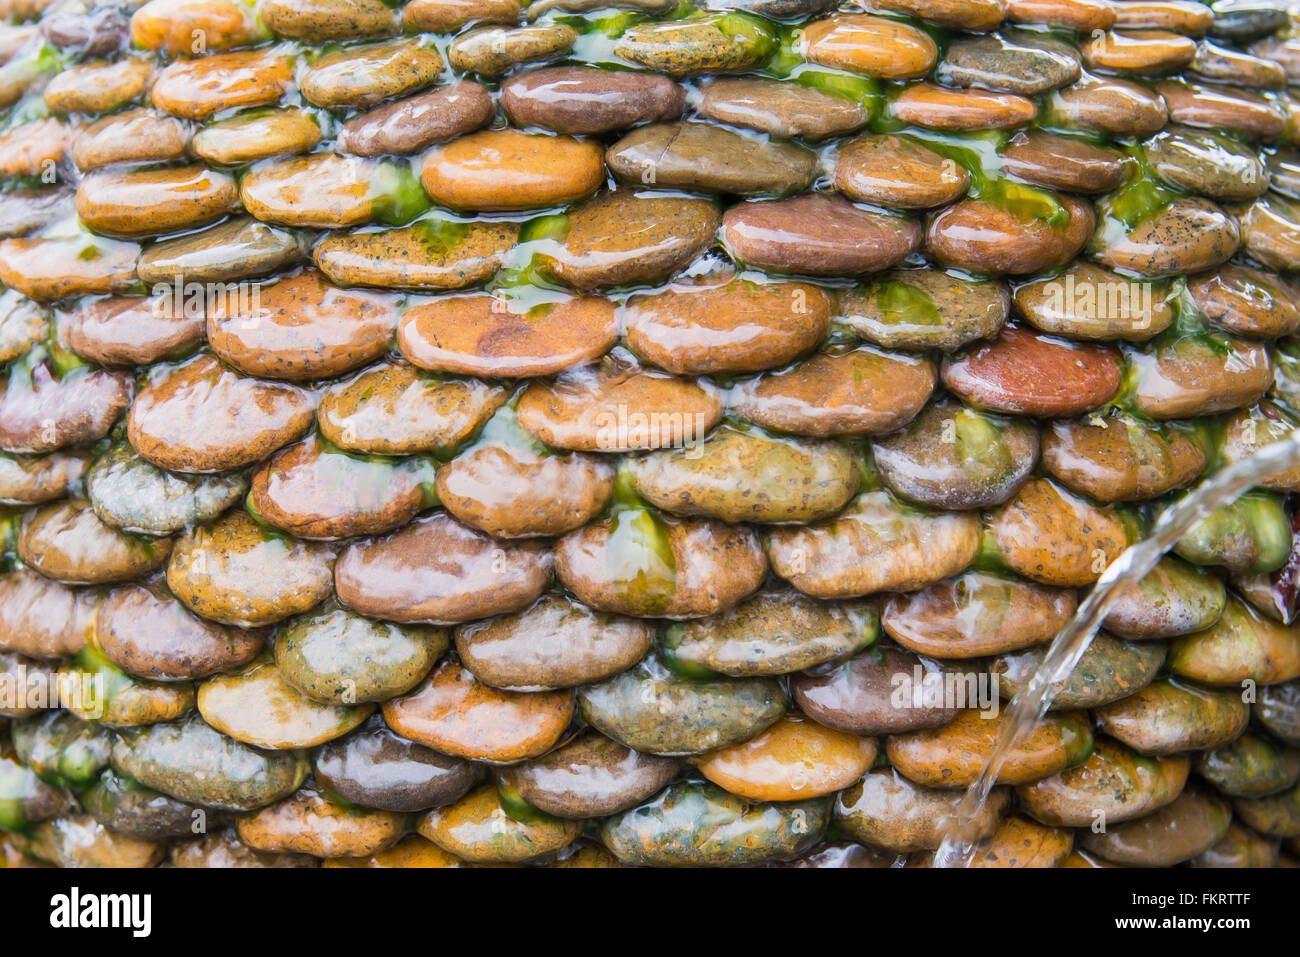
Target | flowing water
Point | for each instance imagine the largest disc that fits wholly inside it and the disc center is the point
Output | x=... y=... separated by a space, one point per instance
x=1028 y=707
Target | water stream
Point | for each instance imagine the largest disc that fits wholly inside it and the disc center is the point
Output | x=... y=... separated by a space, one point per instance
x=1031 y=703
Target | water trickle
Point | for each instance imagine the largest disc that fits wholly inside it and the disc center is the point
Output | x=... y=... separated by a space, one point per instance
x=1132 y=565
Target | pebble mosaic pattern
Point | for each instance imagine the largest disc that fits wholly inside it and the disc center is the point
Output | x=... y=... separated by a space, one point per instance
x=573 y=434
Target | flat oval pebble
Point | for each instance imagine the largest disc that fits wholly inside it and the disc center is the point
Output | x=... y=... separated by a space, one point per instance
x=923 y=309
x=448 y=16
x=940 y=108
x=314 y=491
x=817 y=235
x=876 y=544
x=375 y=767
x=1089 y=302
x=199 y=89
x=875 y=46
x=1189 y=235
x=590 y=776
x=1216 y=107
x=694 y=824
x=1085 y=16
x=1270 y=232
x=1109 y=670
x=1028 y=374
x=890 y=170
x=618 y=405
x=235 y=249
x=148 y=633
x=321 y=190
x=795 y=759
x=1206 y=163
x=485 y=336
x=307 y=822
x=1174 y=598
x=955 y=457
x=507 y=169
x=1054 y=537
x=417 y=122
x=438 y=571
x=778 y=107
x=841 y=392
x=394 y=409
x=97 y=87
x=1115 y=782
x=1119 y=459
x=639 y=563
x=68 y=542
x=424 y=256
x=1169 y=716
x=1191 y=824
x=874 y=692
x=1247 y=302
x=583 y=100
x=125 y=807
x=150 y=202
x=23 y=211
x=705 y=157
x=1111 y=105
x=976 y=614
x=337 y=657
x=621 y=238
x=168 y=25
x=256 y=706
x=61 y=268
x=555 y=643
x=981 y=237
x=493 y=51
x=192 y=762
x=131 y=494
x=361 y=76
x=257 y=135
x=135 y=136
x=774 y=632
x=650 y=708
x=478 y=828
x=887 y=810
x=1142 y=52
x=952 y=756
x=34 y=479
x=328 y=19
x=244 y=419
x=1251 y=766
x=1198 y=376
x=1010 y=62
x=727 y=327
x=742 y=476
x=238 y=573
x=721 y=44
x=1241 y=646
x=45 y=413
x=44 y=619
x=452 y=712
